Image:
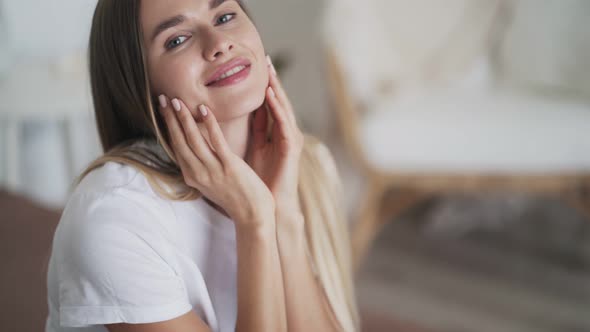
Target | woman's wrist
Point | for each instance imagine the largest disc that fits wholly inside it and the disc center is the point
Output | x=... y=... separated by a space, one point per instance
x=256 y=223
x=290 y=223
x=291 y=237
x=259 y=210
x=287 y=204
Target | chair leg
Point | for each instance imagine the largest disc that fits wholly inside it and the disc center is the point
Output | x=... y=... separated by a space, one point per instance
x=374 y=214
x=580 y=199
x=367 y=222
x=69 y=148
x=13 y=155
x=398 y=201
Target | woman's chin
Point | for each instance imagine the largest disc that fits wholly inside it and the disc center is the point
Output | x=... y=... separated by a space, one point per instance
x=235 y=107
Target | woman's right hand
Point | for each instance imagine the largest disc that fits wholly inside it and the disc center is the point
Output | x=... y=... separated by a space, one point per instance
x=217 y=172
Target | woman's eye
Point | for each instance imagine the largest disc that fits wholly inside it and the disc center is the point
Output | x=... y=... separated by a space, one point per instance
x=175 y=42
x=225 y=18
x=180 y=39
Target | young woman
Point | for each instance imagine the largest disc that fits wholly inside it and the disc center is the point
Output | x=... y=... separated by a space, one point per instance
x=209 y=210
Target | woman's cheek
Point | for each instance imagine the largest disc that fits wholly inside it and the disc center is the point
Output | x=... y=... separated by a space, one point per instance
x=181 y=80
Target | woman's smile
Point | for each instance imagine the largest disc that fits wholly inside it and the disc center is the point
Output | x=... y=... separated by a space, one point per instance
x=235 y=71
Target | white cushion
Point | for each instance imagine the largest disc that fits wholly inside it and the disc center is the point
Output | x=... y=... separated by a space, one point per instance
x=477 y=131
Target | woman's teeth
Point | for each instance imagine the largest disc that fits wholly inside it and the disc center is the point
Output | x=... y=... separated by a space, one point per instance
x=231 y=72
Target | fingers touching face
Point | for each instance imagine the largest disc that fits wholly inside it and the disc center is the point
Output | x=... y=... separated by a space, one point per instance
x=190 y=143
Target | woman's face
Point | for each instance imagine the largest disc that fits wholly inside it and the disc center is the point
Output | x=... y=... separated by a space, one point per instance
x=190 y=43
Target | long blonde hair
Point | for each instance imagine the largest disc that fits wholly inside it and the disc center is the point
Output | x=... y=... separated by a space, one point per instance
x=132 y=133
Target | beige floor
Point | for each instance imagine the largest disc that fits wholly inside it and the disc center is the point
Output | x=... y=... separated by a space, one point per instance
x=481 y=280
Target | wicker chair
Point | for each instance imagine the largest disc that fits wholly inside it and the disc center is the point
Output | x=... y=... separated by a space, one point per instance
x=396 y=181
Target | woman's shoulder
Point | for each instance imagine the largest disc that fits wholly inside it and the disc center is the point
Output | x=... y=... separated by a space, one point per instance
x=115 y=192
x=112 y=177
x=114 y=245
x=113 y=204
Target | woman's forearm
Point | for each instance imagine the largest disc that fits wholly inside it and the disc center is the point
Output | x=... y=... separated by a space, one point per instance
x=307 y=307
x=261 y=302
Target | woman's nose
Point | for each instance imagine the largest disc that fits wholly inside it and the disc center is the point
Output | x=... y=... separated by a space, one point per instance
x=217 y=45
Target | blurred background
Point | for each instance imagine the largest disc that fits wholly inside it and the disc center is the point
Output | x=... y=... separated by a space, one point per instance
x=461 y=130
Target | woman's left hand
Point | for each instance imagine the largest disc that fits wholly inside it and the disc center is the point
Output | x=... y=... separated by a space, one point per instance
x=276 y=160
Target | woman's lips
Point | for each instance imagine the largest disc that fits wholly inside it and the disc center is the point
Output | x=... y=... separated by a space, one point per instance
x=232 y=79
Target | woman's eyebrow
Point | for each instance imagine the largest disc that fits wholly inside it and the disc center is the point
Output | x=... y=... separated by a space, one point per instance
x=178 y=19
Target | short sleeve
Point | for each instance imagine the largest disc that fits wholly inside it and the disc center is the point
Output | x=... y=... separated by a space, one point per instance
x=113 y=266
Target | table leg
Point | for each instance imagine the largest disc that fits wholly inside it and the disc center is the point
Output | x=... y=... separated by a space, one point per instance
x=12 y=162
x=68 y=136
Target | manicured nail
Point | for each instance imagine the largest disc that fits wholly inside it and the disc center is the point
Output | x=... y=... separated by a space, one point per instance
x=163 y=102
x=176 y=104
x=203 y=110
x=271 y=91
x=272 y=67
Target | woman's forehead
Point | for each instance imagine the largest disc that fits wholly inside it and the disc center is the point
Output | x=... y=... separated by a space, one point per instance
x=152 y=10
x=158 y=15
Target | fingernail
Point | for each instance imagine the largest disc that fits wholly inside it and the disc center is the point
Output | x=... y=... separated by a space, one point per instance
x=203 y=110
x=271 y=91
x=272 y=67
x=163 y=102
x=176 y=104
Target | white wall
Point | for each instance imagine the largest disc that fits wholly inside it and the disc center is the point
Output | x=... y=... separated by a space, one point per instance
x=47 y=27
x=46 y=30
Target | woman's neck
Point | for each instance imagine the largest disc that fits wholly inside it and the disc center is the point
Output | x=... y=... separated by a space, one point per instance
x=237 y=133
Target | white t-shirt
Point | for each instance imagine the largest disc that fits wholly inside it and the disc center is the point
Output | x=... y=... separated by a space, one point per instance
x=121 y=253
